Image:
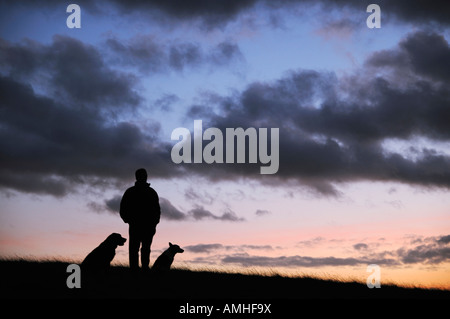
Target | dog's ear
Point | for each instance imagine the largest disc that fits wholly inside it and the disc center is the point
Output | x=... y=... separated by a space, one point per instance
x=170 y=244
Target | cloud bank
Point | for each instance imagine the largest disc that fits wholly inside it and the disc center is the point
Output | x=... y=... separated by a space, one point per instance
x=60 y=126
x=72 y=112
x=66 y=108
x=169 y=211
x=217 y=14
x=332 y=129
x=429 y=251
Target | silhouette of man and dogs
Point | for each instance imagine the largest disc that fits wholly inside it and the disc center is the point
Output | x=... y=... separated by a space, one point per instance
x=140 y=209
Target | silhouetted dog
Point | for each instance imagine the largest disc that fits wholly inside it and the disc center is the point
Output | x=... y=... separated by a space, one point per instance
x=100 y=258
x=165 y=260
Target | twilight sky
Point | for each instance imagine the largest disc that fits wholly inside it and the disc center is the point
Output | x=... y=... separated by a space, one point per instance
x=363 y=117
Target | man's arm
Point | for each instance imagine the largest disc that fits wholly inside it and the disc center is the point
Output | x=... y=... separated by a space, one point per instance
x=124 y=207
x=157 y=208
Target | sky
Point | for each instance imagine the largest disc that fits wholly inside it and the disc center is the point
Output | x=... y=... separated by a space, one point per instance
x=363 y=149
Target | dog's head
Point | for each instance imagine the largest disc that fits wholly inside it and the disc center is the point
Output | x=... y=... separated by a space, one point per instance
x=116 y=239
x=175 y=248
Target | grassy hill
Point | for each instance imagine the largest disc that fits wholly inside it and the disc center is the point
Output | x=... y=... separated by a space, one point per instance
x=47 y=280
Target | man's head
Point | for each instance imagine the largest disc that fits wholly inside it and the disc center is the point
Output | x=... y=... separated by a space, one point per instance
x=141 y=175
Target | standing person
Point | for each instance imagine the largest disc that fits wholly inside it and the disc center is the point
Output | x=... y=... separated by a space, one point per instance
x=139 y=208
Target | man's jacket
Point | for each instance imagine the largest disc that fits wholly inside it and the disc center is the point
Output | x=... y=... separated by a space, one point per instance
x=140 y=205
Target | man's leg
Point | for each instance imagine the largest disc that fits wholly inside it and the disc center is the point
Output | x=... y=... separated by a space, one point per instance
x=145 y=250
x=133 y=248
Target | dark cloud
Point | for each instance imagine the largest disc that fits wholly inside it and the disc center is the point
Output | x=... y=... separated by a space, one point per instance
x=262 y=212
x=113 y=204
x=142 y=52
x=151 y=56
x=415 y=11
x=425 y=254
x=168 y=211
x=443 y=240
x=209 y=13
x=218 y=13
x=332 y=129
x=246 y=260
x=209 y=248
x=436 y=251
x=360 y=246
x=203 y=248
x=184 y=54
x=254 y=247
x=195 y=196
x=165 y=102
x=69 y=70
x=339 y=27
x=60 y=132
x=59 y=106
x=424 y=53
x=311 y=242
x=225 y=53
x=199 y=213
x=48 y=147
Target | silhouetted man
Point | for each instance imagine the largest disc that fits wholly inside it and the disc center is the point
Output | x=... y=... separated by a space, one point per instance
x=139 y=208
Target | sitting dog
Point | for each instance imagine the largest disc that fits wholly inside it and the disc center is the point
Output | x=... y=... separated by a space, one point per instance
x=100 y=258
x=165 y=260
